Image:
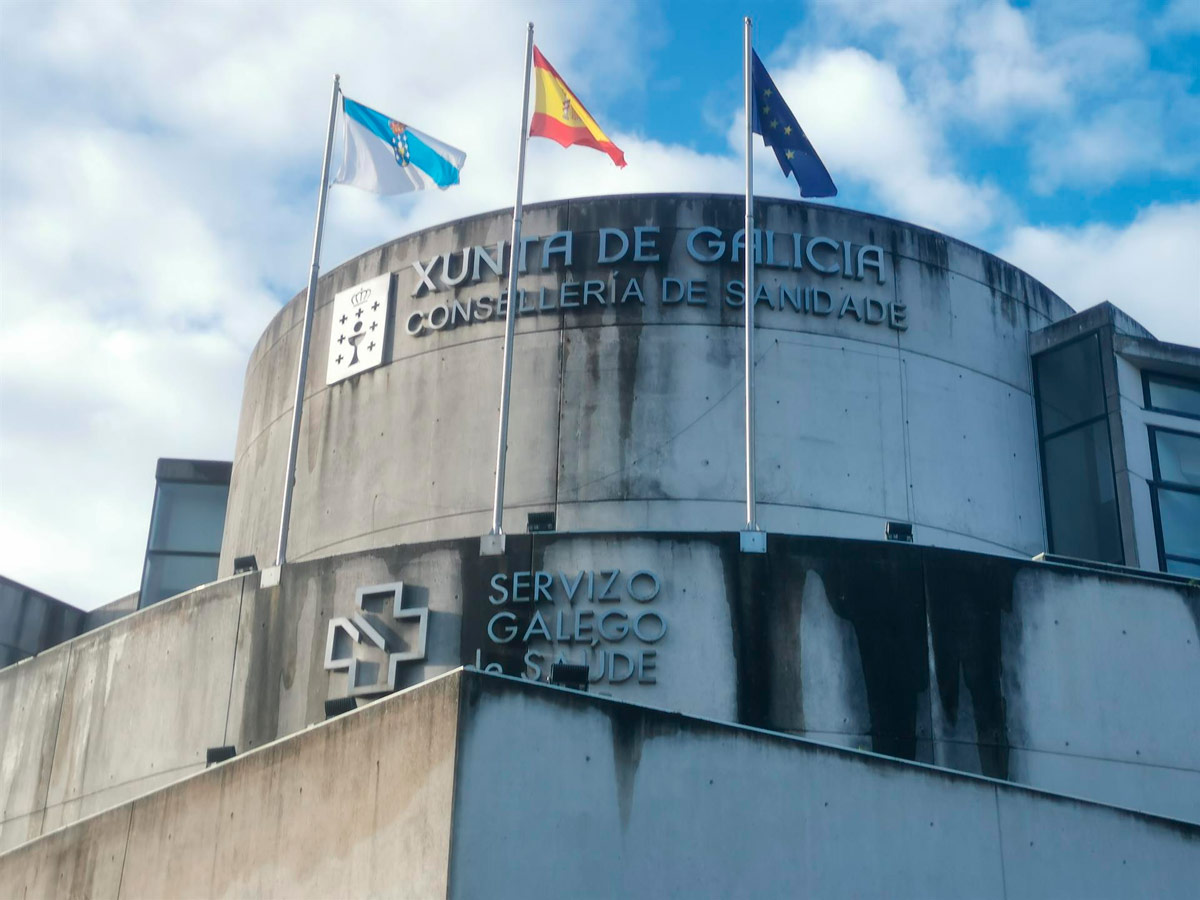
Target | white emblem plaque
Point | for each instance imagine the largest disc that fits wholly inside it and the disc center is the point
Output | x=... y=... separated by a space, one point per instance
x=359 y=327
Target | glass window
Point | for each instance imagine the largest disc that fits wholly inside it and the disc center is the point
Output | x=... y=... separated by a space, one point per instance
x=1179 y=516
x=189 y=517
x=187 y=523
x=1178 y=457
x=1081 y=497
x=168 y=574
x=1176 y=492
x=1178 y=567
x=1170 y=394
x=1070 y=386
x=1077 y=469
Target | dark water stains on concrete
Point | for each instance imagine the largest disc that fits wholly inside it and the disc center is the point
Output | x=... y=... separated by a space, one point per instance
x=1191 y=601
x=784 y=657
x=748 y=591
x=475 y=575
x=881 y=596
x=968 y=598
x=629 y=341
x=262 y=639
x=631 y=728
x=932 y=252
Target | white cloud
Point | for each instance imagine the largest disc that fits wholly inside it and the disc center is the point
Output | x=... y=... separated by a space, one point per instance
x=1008 y=72
x=920 y=31
x=145 y=244
x=1179 y=17
x=1118 y=141
x=856 y=111
x=1150 y=268
x=159 y=171
x=160 y=198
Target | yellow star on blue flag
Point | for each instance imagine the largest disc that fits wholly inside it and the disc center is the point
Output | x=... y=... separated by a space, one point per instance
x=783 y=134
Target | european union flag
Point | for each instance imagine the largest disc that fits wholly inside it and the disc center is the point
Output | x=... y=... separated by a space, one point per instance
x=782 y=133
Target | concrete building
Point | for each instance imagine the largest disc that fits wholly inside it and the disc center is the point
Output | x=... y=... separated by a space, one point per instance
x=1002 y=705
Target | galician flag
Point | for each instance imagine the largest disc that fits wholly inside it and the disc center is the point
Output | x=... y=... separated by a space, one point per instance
x=386 y=156
x=559 y=115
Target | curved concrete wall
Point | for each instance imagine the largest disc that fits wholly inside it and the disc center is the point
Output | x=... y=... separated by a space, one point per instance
x=909 y=401
x=1060 y=678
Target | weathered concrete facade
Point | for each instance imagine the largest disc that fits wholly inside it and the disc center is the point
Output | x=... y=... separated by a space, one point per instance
x=902 y=379
x=475 y=785
x=909 y=401
x=1012 y=669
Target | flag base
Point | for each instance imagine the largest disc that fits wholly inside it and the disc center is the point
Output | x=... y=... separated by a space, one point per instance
x=753 y=541
x=491 y=545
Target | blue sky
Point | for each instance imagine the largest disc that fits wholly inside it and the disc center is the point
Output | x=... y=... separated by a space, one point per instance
x=158 y=166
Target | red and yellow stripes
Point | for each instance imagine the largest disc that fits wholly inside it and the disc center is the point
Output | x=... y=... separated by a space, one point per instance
x=558 y=114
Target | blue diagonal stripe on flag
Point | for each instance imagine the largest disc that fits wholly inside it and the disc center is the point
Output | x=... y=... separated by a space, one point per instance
x=387 y=156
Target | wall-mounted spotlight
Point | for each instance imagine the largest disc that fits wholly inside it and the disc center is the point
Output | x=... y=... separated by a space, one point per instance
x=569 y=675
x=898 y=531
x=339 y=705
x=214 y=755
x=540 y=522
x=244 y=564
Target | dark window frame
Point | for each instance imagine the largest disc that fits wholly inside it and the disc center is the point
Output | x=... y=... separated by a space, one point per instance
x=1043 y=438
x=1156 y=483
x=165 y=474
x=157 y=487
x=1149 y=375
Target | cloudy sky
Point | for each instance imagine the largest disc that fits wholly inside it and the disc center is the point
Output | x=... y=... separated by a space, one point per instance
x=159 y=161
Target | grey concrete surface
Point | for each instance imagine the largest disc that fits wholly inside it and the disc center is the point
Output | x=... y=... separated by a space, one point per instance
x=110 y=612
x=628 y=801
x=474 y=785
x=83 y=861
x=31 y=695
x=279 y=683
x=1062 y=678
x=143 y=702
x=627 y=415
x=359 y=807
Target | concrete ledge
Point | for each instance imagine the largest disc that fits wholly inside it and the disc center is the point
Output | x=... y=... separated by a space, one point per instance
x=477 y=785
x=358 y=806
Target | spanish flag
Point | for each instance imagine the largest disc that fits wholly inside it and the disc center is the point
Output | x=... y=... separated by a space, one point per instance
x=559 y=115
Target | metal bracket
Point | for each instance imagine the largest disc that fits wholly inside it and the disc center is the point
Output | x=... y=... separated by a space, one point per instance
x=753 y=541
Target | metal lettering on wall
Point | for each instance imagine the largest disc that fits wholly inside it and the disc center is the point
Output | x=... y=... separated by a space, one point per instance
x=604 y=619
x=368 y=645
x=358 y=328
x=789 y=255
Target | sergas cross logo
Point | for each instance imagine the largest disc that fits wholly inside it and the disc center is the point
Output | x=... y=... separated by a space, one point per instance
x=368 y=645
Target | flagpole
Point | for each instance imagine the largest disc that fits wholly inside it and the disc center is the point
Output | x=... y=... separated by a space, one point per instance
x=752 y=539
x=309 y=305
x=493 y=542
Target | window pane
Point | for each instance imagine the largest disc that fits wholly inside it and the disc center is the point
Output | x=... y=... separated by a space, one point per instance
x=1070 y=388
x=1080 y=495
x=1177 y=396
x=189 y=517
x=1179 y=514
x=168 y=575
x=1178 y=457
x=1179 y=567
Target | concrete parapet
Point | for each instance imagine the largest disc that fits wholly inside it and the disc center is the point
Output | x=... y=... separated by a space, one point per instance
x=476 y=785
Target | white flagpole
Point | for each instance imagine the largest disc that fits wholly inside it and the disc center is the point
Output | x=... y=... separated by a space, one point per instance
x=493 y=543
x=753 y=540
x=310 y=300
